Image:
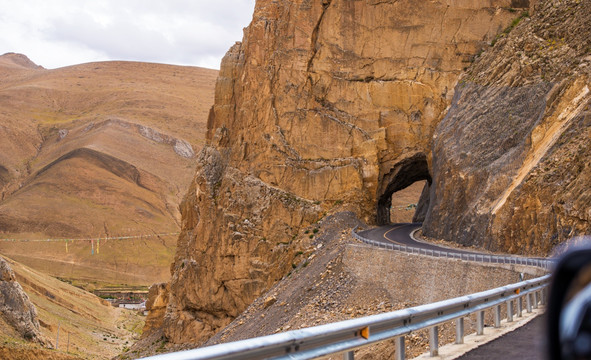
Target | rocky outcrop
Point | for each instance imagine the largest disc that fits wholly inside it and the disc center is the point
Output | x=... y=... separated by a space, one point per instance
x=181 y=147
x=156 y=307
x=16 y=308
x=236 y=242
x=325 y=99
x=323 y=103
x=511 y=158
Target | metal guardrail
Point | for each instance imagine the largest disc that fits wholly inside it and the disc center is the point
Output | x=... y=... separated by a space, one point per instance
x=345 y=336
x=546 y=264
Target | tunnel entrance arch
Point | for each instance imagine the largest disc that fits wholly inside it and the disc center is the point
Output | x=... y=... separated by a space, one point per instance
x=402 y=175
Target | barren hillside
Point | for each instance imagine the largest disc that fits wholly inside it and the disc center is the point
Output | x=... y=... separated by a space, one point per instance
x=89 y=327
x=98 y=150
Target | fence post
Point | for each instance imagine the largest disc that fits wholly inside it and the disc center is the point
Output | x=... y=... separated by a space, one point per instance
x=400 y=348
x=460 y=330
x=57 y=338
x=434 y=341
x=498 y=316
x=528 y=303
x=480 y=323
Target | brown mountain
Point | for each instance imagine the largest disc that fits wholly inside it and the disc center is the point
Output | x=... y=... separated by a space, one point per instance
x=324 y=106
x=333 y=105
x=97 y=150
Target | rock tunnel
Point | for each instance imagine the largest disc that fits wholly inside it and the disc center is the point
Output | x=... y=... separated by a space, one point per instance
x=402 y=175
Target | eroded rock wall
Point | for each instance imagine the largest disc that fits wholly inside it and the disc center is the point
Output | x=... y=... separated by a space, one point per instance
x=324 y=98
x=16 y=308
x=322 y=104
x=511 y=158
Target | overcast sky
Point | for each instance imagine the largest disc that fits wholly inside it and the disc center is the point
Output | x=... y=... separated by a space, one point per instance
x=59 y=33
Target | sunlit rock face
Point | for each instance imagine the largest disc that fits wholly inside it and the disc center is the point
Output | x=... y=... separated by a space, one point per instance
x=323 y=103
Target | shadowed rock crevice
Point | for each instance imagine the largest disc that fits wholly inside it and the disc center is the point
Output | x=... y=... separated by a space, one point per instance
x=4 y=175
x=402 y=175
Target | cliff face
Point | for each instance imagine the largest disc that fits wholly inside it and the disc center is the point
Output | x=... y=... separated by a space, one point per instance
x=329 y=99
x=323 y=103
x=511 y=158
x=15 y=307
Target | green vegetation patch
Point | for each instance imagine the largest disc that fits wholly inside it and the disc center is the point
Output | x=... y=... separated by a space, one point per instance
x=509 y=28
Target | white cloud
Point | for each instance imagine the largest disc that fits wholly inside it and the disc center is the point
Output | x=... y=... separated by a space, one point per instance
x=66 y=32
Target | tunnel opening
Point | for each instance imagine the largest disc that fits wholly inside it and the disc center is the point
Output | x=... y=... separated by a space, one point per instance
x=401 y=185
x=404 y=203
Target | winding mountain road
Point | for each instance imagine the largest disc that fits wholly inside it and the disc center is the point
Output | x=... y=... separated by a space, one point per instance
x=399 y=237
x=528 y=337
x=400 y=234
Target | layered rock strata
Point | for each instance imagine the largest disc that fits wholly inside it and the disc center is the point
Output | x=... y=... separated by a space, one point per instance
x=511 y=158
x=323 y=103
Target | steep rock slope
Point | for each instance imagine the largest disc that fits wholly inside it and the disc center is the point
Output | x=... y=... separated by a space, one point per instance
x=15 y=307
x=89 y=327
x=511 y=158
x=98 y=150
x=323 y=103
x=336 y=278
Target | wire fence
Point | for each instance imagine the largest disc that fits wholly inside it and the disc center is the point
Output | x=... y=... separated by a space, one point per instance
x=91 y=239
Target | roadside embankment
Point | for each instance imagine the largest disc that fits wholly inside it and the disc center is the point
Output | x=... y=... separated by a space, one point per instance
x=343 y=279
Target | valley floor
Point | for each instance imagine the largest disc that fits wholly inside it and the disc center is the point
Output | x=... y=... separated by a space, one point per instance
x=89 y=327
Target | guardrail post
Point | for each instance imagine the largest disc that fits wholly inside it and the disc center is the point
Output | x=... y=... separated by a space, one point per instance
x=510 y=311
x=543 y=296
x=520 y=306
x=535 y=299
x=434 y=341
x=498 y=316
x=349 y=355
x=528 y=302
x=459 y=330
x=480 y=323
x=400 y=348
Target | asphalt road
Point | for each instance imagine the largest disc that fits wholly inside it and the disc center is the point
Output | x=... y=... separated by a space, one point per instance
x=399 y=234
x=525 y=343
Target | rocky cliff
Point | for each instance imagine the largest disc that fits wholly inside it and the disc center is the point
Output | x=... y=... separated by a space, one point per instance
x=511 y=158
x=324 y=104
x=16 y=309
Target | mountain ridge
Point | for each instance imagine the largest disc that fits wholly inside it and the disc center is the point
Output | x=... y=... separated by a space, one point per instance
x=96 y=150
